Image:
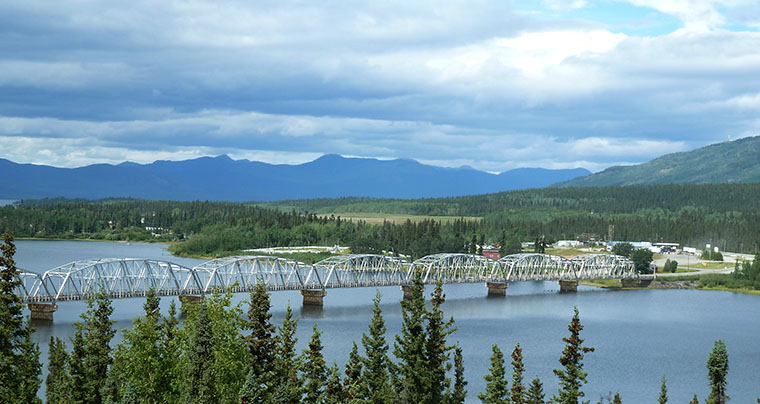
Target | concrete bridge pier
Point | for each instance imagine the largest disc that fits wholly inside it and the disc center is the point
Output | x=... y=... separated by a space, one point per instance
x=314 y=298
x=568 y=286
x=497 y=288
x=407 y=289
x=187 y=301
x=42 y=311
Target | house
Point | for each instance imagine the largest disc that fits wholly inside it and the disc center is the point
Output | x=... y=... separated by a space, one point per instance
x=492 y=253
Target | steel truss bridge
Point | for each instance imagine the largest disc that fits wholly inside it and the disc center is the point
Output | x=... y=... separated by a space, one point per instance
x=133 y=277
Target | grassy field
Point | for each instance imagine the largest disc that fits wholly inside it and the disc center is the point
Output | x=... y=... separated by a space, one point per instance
x=378 y=218
x=709 y=265
x=569 y=252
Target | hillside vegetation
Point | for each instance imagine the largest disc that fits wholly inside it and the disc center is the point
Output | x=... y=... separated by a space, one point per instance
x=737 y=161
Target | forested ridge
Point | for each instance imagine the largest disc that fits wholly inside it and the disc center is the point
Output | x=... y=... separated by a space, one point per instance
x=724 y=215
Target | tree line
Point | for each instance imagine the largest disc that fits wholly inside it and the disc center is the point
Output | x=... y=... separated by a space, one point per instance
x=221 y=354
x=723 y=215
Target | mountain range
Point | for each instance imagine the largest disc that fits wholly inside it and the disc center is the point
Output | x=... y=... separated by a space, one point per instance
x=735 y=161
x=224 y=179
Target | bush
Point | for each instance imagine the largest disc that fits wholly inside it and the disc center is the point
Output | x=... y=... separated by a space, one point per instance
x=709 y=255
x=670 y=266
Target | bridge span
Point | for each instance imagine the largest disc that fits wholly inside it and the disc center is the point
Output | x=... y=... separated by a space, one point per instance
x=133 y=277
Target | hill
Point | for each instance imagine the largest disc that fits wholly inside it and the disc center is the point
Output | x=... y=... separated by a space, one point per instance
x=736 y=161
x=224 y=179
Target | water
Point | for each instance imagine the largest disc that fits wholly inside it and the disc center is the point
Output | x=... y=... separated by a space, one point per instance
x=638 y=335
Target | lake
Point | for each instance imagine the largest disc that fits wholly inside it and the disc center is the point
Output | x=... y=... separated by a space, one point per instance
x=638 y=335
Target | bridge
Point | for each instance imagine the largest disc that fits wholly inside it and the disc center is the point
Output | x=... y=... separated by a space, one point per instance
x=133 y=277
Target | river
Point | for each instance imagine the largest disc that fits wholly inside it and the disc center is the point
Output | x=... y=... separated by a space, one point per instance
x=638 y=335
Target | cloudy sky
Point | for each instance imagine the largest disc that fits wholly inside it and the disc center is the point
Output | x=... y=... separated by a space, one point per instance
x=492 y=84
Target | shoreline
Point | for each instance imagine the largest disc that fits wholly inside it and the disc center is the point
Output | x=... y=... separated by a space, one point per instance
x=672 y=285
x=93 y=239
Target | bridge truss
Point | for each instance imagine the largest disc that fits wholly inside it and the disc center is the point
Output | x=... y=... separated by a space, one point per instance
x=133 y=277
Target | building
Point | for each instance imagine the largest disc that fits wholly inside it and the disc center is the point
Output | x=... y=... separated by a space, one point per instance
x=568 y=244
x=491 y=253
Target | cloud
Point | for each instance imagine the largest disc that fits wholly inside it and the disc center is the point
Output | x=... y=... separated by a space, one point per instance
x=32 y=140
x=457 y=83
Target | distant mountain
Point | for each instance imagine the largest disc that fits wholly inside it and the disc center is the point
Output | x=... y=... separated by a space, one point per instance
x=736 y=161
x=223 y=179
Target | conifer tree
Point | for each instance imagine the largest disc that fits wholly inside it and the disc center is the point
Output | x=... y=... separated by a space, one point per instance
x=717 y=372
x=436 y=350
x=663 y=399
x=376 y=382
x=572 y=376
x=616 y=399
x=57 y=381
x=353 y=380
x=334 y=393
x=200 y=379
x=314 y=369
x=252 y=390
x=497 y=391
x=77 y=371
x=535 y=393
x=410 y=347
x=171 y=349
x=694 y=400
x=114 y=388
x=518 y=368
x=99 y=331
x=20 y=366
x=460 y=392
x=286 y=364
x=260 y=342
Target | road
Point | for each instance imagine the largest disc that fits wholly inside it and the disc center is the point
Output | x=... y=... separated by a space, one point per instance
x=694 y=262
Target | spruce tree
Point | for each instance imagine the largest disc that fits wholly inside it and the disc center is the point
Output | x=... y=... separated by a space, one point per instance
x=616 y=399
x=252 y=390
x=77 y=371
x=663 y=399
x=171 y=349
x=57 y=382
x=314 y=369
x=717 y=372
x=353 y=381
x=286 y=365
x=497 y=391
x=376 y=382
x=518 y=368
x=436 y=350
x=572 y=376
x=460 y=392
x=535 y=394
x=410 y=347
x=200 y=384
x=99 y=331
x=694 y=400
x=334 y=393
x=114 y=388
x=260 y=342
x=20 y=366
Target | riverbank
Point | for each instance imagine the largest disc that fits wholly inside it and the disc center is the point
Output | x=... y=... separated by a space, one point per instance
x=688 y=282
